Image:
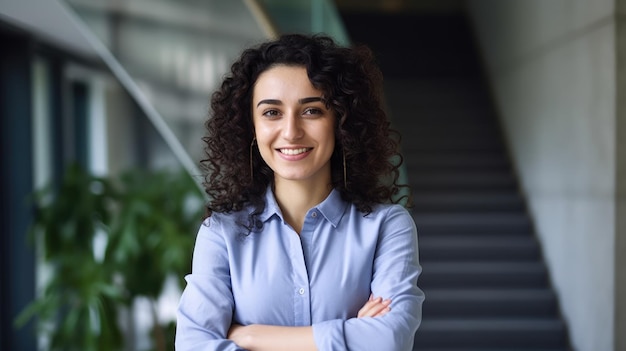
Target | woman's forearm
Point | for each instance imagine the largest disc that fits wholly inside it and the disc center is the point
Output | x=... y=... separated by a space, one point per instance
x=259 y=337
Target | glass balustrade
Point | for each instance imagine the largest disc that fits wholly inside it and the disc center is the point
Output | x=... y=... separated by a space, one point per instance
x=170 y=55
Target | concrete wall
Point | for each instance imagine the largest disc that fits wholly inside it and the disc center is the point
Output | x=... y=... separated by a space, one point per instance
x=553 y=68
x=620 y=245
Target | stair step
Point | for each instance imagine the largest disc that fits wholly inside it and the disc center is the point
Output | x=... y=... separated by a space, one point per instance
x=467 y=201
x=466 y=160
x=491 y=333
x=408 y=89
x=468 y=180
x=447 y=131
x=483 y=275
x=478 y=248
x=473 y=223
x=454 y=97
x=448 y=144
x=424 y=117
x=489 y=303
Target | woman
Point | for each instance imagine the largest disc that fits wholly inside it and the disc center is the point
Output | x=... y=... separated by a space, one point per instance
x=303 y=247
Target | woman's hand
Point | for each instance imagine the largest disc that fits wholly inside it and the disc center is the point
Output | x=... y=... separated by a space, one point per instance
x=237 y=333
x=374 y=307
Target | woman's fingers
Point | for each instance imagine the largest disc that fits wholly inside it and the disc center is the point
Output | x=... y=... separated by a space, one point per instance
x=374 y=307
x=383 y=311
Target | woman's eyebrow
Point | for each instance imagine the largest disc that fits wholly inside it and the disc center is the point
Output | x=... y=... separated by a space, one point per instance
x=302 y=101
x=269 y=102
x=306 y=100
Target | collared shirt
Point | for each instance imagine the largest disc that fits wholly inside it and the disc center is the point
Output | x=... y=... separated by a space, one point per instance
x=320 y=278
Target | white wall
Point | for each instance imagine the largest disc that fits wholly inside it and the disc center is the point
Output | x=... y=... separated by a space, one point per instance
x=552 y=66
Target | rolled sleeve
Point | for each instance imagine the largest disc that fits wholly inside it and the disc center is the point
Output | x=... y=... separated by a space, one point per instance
x=205 y=310
x=329 y=335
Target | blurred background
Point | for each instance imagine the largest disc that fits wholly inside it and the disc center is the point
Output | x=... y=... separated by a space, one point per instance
x=514 y=139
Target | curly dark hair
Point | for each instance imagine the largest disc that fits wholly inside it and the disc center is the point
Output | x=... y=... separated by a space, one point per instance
x=351 y=84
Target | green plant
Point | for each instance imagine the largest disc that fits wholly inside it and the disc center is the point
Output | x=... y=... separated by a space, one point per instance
x=144 y=223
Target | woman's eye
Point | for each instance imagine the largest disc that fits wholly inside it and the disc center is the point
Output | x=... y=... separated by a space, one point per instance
x=313 y=111
x=271 y=113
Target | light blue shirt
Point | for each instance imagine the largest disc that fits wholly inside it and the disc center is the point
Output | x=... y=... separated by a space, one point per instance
x=320 y=278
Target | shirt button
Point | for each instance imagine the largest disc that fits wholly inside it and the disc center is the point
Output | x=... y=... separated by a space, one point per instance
x=314 y=214
x=301 y=291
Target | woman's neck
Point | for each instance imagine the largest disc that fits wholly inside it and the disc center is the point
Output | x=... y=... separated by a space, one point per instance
x=296 y=198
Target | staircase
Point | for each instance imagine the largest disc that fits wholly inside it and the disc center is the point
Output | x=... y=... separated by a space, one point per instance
x=485 y=282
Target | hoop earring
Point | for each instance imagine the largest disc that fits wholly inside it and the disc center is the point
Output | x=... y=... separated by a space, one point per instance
x=251 y=165
x=345 y=172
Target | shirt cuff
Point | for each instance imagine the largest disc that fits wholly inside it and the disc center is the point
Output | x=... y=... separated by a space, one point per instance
x=329 y=335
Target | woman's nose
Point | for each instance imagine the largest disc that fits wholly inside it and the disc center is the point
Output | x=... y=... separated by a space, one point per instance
x=292 y=128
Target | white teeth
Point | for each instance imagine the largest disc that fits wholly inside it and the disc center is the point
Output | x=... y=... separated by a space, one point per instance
x=293 y=151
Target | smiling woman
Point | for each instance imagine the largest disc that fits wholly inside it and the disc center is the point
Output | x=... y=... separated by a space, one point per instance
x=303 y=247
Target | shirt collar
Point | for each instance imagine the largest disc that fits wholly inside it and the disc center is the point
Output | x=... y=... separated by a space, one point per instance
x=332 y=208
x=271 y=206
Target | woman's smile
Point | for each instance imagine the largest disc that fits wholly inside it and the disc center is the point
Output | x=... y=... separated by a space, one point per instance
x=293 y=152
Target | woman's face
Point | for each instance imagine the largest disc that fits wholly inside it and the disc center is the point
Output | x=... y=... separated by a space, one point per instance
x=293 y=127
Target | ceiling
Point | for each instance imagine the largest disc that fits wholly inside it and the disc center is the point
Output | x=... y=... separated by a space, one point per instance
x=49 y=22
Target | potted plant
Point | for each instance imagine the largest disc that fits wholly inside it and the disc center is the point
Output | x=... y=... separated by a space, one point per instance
x=106 y=242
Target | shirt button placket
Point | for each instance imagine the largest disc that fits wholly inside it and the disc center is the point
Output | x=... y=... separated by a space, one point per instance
x=302 y=308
